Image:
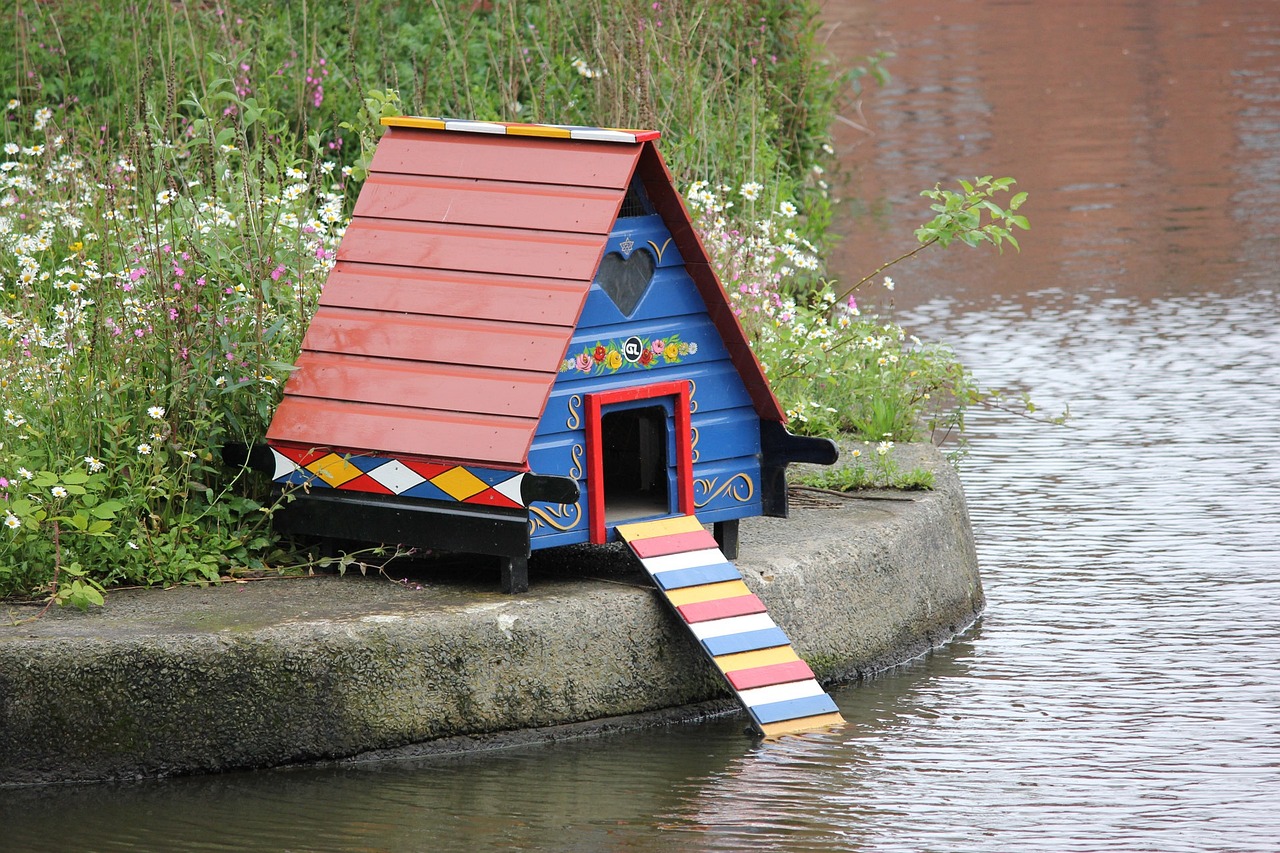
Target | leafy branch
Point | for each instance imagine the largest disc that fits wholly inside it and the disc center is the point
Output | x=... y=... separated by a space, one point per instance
x=960 y=217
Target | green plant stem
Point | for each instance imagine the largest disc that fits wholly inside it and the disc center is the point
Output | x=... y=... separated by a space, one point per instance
x=866 y=278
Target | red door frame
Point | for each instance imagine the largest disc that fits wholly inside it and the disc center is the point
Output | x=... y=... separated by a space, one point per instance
x=593 y=405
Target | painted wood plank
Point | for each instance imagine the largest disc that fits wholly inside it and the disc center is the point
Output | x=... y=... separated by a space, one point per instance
x=732 y=625
x=777 y=673
x=650 y=234
x=721 y=609
x=802 y=724
x=388 y=381
x=697 y=576
x=752 y=659
x=390 y=430
x=707 y=592
x=661 y=527
x=687 y=560
x=745 y=642
x=514 y=251
x=673 y=543
x=770 y=694
x=439 y=339
x=547 y=161
x=508 y=204
x=670 y=294
x=715 y=385
x=483 y=296
x=807 y=707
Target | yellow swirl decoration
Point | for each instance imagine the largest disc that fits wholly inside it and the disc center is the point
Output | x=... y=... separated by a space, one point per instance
x=693 y=404
x=575 y=412
x=577 y=453
x=656 y=250
x=554 y=516
x=693 y=445
x=739 y=487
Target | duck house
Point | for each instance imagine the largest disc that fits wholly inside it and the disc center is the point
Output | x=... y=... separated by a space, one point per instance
x=523 y=345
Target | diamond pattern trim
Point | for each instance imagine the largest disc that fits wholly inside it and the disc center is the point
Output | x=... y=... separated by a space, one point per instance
x=334 y=470
x=397 y=476
x=459 y=483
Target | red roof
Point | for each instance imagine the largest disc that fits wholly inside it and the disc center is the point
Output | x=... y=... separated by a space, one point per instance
x=457 y=286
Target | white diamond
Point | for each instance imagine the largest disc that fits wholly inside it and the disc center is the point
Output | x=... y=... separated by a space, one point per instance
x=397 y=476
x=511 y=489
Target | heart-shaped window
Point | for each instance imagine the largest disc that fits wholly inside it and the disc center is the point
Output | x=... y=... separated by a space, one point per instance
x=625 y=280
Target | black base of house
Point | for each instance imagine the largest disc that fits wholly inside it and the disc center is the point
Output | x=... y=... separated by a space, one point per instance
x=779 y=448
x=433 y=525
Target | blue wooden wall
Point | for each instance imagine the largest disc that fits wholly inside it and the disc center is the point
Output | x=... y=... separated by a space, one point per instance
x=726 y=428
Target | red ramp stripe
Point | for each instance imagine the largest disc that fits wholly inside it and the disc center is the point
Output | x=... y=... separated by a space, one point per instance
x=702 y=611
x=673 y=543
x=775 y=673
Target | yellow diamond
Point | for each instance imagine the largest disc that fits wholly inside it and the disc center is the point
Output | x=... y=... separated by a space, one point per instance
x=334 y=470
x=459 y=483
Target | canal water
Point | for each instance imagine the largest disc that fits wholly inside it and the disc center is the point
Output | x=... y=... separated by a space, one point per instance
x=1122 y=691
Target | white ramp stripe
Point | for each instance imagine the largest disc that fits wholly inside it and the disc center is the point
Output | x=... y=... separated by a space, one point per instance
x=732 y=625
x=780 y=692
x=687 y=560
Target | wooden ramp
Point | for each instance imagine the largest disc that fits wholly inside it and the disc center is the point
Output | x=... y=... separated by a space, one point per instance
x=731 y=624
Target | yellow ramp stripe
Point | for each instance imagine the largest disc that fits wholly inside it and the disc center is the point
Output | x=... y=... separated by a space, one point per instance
x=661 y=527
x=706 y=592
x=801 y=724
x=760 y=657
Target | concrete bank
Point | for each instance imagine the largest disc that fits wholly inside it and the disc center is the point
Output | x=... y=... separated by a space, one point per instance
x=283 y=671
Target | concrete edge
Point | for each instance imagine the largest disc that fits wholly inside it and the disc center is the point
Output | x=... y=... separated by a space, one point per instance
x=337 y=669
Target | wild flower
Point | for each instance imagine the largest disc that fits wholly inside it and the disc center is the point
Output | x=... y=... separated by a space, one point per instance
x=585 y=70
x=11 y=521
x=144 y=449
x=155 y=412
x=58 y=491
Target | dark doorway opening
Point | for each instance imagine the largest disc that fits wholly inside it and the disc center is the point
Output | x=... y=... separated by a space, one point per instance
x=634 y=454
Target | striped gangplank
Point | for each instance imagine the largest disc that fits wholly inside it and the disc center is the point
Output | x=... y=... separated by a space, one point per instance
x=732 y=626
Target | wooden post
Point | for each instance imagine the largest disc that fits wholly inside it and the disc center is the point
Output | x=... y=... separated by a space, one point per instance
x=726 y=533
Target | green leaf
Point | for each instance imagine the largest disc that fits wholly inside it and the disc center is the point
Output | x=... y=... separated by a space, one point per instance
x=105 y=510
x=75 y=477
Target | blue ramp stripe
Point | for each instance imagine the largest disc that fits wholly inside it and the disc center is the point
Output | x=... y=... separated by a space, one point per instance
x=679 y=578
x=810 y=706
x=747 y=641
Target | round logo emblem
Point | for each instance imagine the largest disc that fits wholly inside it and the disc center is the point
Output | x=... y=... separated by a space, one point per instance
x=632 y=349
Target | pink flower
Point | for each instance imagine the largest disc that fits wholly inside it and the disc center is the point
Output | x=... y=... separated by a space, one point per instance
x=277 y=272
x=584 y=362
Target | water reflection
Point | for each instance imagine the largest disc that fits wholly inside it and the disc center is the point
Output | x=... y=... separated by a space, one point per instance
x=1145 y=132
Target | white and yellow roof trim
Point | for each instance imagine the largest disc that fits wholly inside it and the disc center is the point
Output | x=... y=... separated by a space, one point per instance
x=499 y=128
